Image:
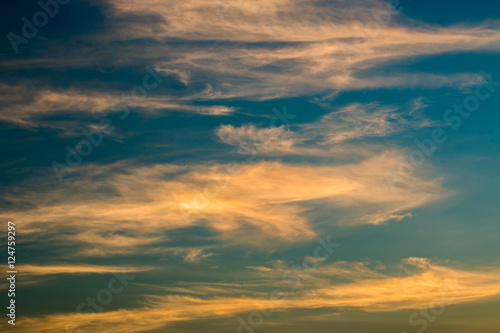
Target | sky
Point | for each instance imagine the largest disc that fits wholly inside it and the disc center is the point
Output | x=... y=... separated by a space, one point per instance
x=251 y=166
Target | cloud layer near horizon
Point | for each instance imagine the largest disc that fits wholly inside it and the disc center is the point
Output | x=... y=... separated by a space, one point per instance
x=420 y=284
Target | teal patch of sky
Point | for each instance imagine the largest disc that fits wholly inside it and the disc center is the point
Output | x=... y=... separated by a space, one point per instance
x=73 y=19
x=64 y=292
x=448 y=12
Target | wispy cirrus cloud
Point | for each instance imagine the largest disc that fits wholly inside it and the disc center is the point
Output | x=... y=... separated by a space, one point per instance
x=342 y=125
x=323 y=47
x=359 y=121
x=29 y=106
x=80 y=269
x=347 y=285
x=34 y=274
x=182 y=212
x=272 y=197
x=250 y=139
x=270 y=49
x=187 y=254
x=263 y=50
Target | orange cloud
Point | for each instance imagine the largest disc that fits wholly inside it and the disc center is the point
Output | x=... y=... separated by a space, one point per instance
x=420 y=284
x=269 y=196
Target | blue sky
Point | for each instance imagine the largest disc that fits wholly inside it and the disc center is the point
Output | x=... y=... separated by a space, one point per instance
x=208 y=149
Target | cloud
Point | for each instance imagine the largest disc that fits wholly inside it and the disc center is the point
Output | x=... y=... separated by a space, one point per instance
x=110 y=243
x=272 y=48
x=187 y=254
x=28 y=106
x=271 y=197
x=420 y=284
x=36 y=274
x=359 y=121
x=306 y=47
x=250 y=139
x=258 y=51
x=30 y=270
x=291 y=71
x=342 y=125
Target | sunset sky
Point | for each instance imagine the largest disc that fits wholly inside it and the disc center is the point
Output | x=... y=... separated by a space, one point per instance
x=252 y=165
